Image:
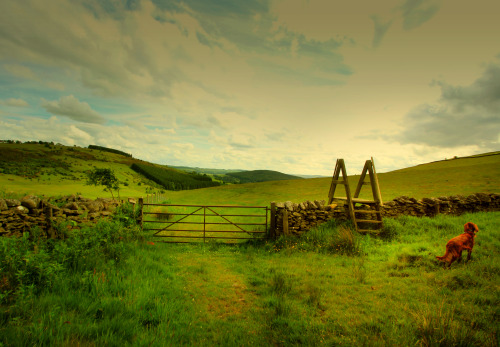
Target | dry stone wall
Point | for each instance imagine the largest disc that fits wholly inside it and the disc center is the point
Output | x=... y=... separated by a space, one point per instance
x=303 y=216
x=19 y=216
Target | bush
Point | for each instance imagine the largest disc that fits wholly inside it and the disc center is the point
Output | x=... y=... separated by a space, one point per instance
x=32 y=265
x=331 y=237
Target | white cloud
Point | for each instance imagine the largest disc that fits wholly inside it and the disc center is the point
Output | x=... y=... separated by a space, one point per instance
x=463 y=116
x=71 y=107
x=14 y=102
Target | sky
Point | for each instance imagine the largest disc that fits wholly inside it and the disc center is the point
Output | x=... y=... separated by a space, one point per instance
x=285 y=85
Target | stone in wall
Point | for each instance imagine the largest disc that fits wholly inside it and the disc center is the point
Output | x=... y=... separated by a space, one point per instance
x=19 y=216
x=306 y=215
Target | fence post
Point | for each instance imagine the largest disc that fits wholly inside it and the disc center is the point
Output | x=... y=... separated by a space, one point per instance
x=272 y=231
x=285 y=221
x=141 y=205
x=204 y=222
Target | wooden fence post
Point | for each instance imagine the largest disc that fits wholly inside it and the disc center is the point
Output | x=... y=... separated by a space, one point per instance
x=272 y=231
x=141 y=205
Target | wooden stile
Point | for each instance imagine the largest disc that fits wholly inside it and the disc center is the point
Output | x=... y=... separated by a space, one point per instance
x=351 y=201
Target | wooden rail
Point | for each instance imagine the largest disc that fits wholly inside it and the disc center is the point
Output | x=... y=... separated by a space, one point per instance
x=188 y=223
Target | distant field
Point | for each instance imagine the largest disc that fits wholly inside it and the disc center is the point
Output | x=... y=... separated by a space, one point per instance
x=458 y=176
x=464 y=176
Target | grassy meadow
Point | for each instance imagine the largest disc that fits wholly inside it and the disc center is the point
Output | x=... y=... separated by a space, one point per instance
x=449 y=177
x=111 y=286
x=115 y=285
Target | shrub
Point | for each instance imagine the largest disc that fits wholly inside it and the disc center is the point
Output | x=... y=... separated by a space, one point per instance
x=31 y=265
x=330 y=237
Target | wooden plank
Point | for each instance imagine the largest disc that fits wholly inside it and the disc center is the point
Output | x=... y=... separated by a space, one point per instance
x=361 y=179
x=367 y=211
x=363 y=201
x=368 y=221
x=225 y=206
x=333 y=185
x=272 y=229
x=379 y=195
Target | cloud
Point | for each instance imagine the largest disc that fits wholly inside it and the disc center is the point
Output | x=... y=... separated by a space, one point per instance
x=71 y=107
x=417 y=12
x=463 y=116
x=380 y=29
x=14 y=102
x=20 y=71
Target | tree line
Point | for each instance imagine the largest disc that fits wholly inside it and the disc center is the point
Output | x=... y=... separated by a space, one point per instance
x=172 y=179
x=111 y=150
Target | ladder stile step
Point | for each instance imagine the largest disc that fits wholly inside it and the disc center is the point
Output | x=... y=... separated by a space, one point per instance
x=363 y=201
x=368 y=177
x=367 y=211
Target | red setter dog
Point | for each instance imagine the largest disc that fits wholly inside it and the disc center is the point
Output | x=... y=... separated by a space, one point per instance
x=456 y=245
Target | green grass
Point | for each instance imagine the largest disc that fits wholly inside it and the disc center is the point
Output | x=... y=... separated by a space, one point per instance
x=330 y=288
x=107 y=286
x=260 y=176
x=60 y=170
x=457 y=176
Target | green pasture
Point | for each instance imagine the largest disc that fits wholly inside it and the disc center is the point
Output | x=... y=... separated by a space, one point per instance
x=328 y=288
x=61 y=171
x=113 y=284
x=449 y=177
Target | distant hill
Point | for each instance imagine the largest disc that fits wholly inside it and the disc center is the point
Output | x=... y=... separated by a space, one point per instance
x=256 y=176
x=207 y=171
x=242 y=176
x=54 y=169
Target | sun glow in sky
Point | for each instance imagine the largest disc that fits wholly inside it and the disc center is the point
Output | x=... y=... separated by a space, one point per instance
x=286 y=85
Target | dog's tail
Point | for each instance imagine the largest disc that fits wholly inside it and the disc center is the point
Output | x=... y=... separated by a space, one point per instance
x=446 y=257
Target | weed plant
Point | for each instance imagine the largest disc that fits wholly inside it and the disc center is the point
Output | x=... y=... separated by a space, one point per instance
x=331 y=237
x=32 y=267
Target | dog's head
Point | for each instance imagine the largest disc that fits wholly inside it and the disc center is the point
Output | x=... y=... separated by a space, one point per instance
x=471 y=228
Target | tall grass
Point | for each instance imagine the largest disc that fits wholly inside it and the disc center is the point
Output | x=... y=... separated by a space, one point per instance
x=329 y=287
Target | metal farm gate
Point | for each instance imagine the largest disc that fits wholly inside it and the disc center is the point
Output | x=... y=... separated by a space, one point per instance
x=193 y=223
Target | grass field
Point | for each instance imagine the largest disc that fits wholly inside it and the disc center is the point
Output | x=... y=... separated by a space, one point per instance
x=329 y=288
x=114 y=285
x=455 y=176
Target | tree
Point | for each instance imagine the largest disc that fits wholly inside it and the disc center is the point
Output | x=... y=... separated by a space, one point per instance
x=106 y=178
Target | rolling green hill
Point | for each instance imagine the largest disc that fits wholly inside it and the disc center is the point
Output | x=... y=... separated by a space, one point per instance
x=59 y=170
x=255 y=176
x=450 y=177
x=45 y=168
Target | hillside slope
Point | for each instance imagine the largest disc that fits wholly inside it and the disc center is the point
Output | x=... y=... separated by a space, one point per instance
x=59 y=170
x=451 y=177
x=42 y=168
x=255 y=176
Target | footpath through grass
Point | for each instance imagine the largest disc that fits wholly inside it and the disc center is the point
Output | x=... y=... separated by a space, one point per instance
x=330 y=287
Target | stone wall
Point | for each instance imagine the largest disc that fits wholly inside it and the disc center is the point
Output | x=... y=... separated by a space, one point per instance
x=18 y=216
x=303 y=216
